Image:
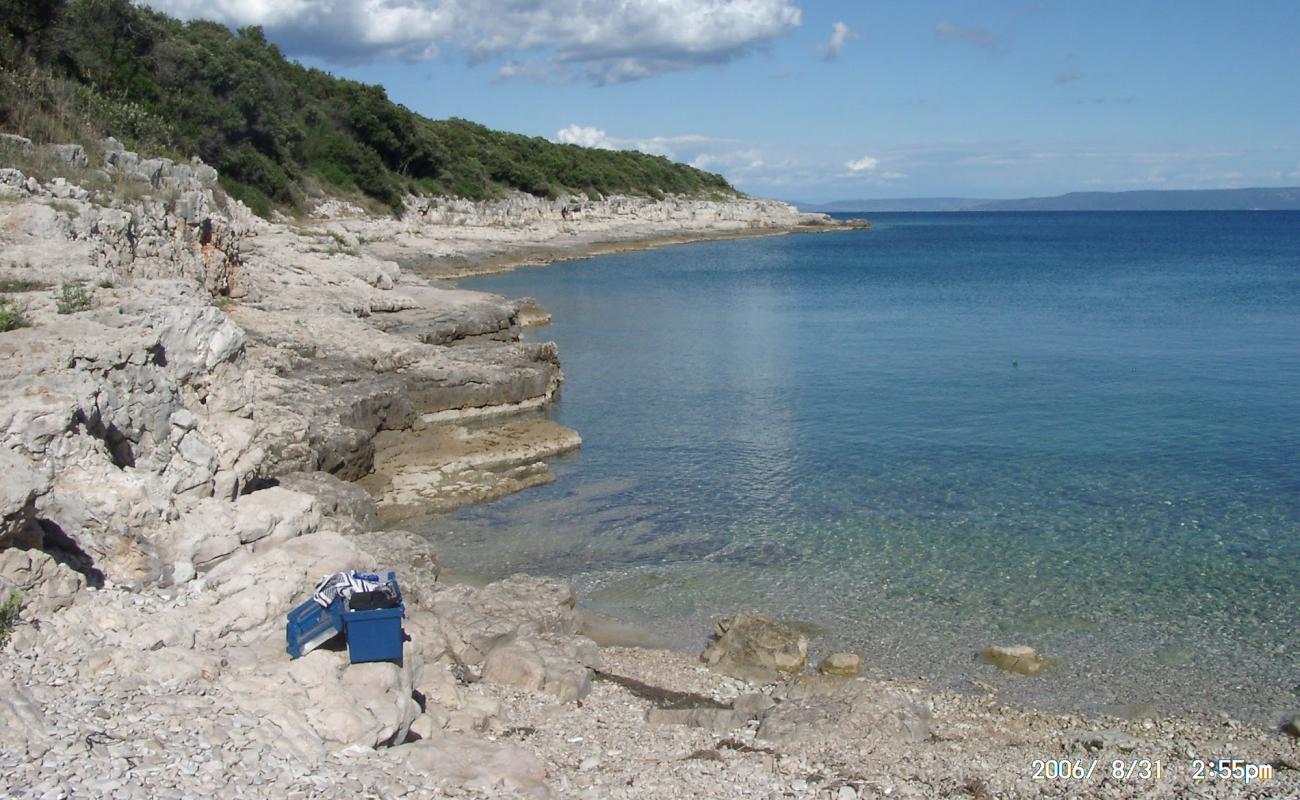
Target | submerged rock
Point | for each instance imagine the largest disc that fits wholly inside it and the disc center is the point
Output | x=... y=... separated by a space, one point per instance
x=1020 y=659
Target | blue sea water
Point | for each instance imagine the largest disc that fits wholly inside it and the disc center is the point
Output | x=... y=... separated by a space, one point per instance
x=1078 y=431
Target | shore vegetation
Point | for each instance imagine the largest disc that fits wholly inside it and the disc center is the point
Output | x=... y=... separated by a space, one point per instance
x=278 y=132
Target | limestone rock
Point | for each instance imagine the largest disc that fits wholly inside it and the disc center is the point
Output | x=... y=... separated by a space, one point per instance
x=215 y=529
x=73 y=154
x=15 y=141
x=1020 y=659
x=23 y=721
x=20 y=484
x=348 y=507
x=255 y=590
x=46 y=584
x=474 y=620
x=846 y=665
x=811 y=705
x=530 y=313
x=477 y=765
x=554 y=666
x=452 y=705
x=755 y=647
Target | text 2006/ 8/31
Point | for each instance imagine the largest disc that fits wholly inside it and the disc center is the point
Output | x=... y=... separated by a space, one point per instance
x=1078 y=769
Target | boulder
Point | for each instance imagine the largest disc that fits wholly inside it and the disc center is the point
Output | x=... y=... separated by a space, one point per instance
x=15 y=141
x=552 y=665
x=321 y=702
x=1020 y=659
x=20 y=484
x=46 y=584
x=755 y=647
x=71 y=154
x=846 y=665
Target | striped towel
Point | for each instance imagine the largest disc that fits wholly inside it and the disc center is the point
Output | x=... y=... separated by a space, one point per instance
x=342 y=585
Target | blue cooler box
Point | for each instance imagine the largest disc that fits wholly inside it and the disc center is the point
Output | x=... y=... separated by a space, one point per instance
x=375 y=634
x=311 y=626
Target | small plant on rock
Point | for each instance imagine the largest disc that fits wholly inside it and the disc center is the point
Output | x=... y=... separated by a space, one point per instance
x=73 y=297
x=11 y=316
x=9 y=615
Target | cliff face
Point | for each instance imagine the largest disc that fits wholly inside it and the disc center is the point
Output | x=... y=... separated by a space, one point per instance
x=203 y=365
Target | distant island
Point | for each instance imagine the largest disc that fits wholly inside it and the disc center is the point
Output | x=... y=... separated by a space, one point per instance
x=1256 y=199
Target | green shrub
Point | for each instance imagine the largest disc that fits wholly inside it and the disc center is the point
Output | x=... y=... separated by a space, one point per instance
x=11 y=316
x=9 y=615
x=72 y=297
x=75 y=70
x=19 y=285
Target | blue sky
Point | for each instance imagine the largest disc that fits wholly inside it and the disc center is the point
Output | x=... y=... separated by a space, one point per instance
x=833 y=100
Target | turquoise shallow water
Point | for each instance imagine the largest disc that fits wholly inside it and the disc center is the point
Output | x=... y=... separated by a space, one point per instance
x=1075 y=431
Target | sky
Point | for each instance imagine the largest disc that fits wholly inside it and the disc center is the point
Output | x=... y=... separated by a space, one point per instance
x=820 y=101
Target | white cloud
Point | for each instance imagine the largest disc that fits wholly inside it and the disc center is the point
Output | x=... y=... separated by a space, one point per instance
x=534 y=71
x=688 y=148
x=841 y=34
x=585 y=136
x=605 y=41
x=864 y=164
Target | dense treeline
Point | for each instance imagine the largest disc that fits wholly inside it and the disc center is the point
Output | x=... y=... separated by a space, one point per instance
x=276 y=130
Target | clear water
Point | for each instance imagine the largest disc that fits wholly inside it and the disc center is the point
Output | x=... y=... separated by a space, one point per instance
x=1075 y=431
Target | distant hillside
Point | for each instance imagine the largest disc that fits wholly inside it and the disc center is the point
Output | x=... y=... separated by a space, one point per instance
x=894 y=204
x=76 y=70
x=1168 y=200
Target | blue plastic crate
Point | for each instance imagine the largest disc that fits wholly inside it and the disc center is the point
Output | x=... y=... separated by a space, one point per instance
x=310 y=626
x=375 y=634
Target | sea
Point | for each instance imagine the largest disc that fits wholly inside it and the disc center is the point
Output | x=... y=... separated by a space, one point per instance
x=1074 y=431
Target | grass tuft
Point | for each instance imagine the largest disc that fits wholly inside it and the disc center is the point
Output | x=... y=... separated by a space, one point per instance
x=73 y=296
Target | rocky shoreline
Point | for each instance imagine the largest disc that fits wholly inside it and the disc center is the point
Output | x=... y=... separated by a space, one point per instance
x=206 y=412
